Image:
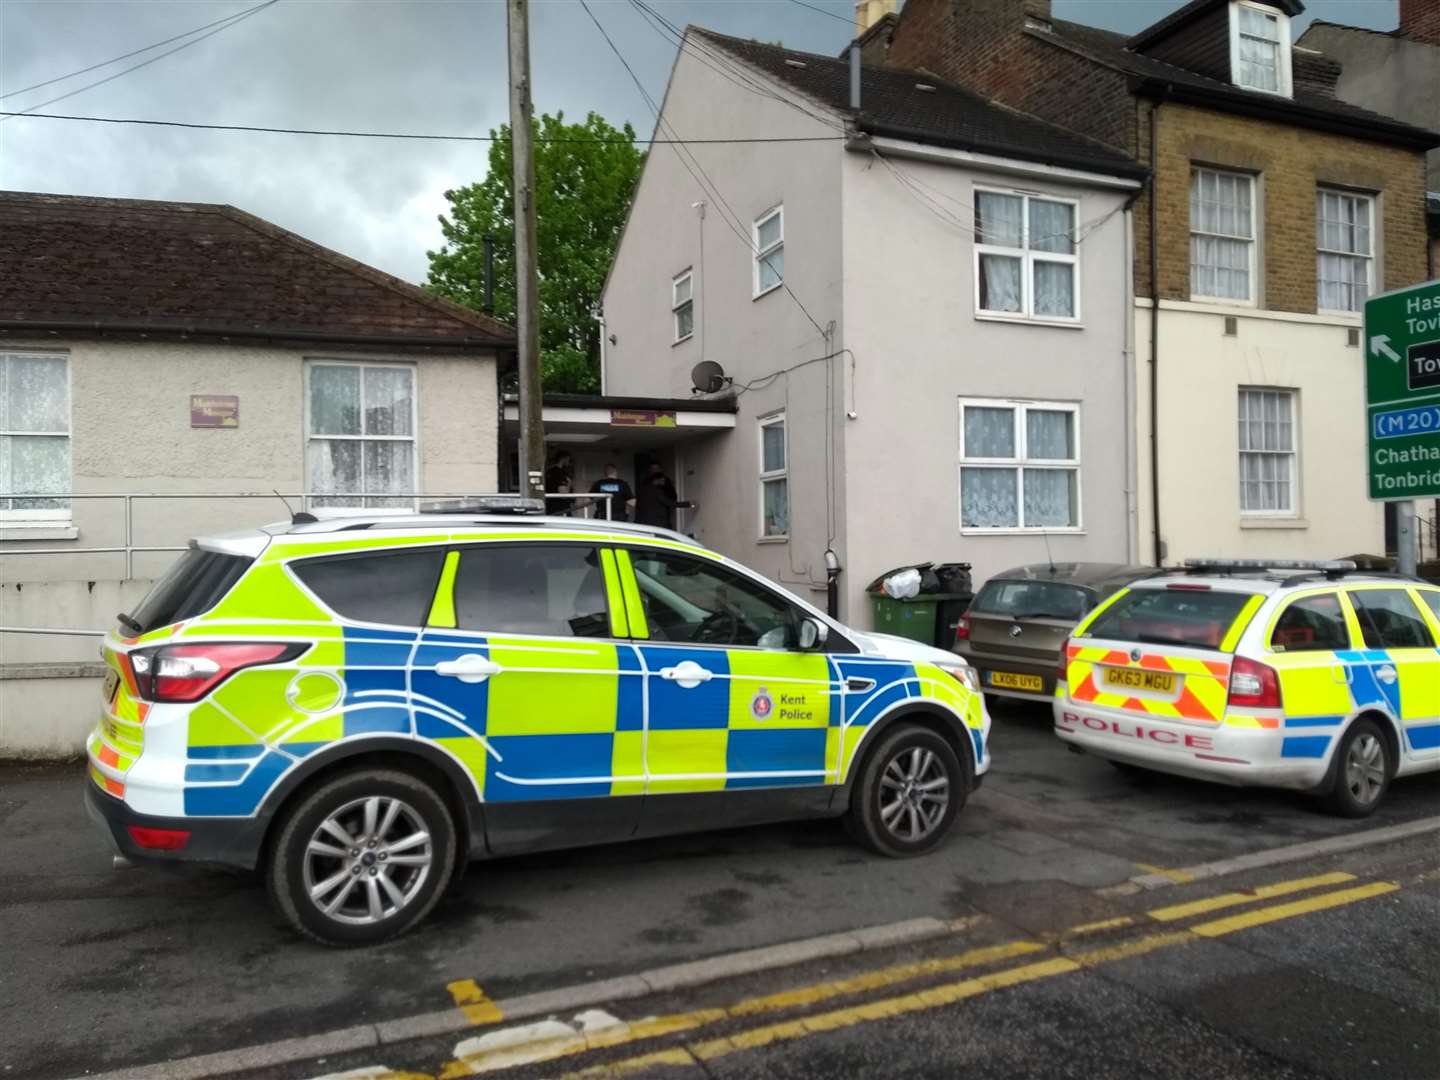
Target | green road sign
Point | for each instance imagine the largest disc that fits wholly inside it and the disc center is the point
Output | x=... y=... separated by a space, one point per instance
x=1402 y=392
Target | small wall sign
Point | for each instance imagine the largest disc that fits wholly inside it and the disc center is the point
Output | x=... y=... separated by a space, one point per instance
x=214 y=410
x=641 y=418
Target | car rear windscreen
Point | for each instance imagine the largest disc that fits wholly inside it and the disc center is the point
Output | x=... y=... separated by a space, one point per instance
x=192 y=586
x=1032 y=600
x=1197 y=618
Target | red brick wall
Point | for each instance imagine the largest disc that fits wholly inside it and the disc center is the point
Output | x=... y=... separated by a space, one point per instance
x=1420 y=20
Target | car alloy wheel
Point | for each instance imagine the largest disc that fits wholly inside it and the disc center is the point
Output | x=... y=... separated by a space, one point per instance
x=914 y=794
x=367 y=860
x=1365 y=769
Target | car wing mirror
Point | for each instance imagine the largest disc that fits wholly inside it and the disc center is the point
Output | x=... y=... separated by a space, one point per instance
x=813 y=633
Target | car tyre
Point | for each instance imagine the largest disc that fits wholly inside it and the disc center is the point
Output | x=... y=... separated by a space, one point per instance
x=907 y=793
x=1362 y=770
x=399 y=857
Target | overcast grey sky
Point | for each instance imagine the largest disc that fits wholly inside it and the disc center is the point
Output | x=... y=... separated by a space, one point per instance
x=398 y=65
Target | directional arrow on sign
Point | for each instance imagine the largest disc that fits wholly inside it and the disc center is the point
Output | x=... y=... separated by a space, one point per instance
x=1380 y=346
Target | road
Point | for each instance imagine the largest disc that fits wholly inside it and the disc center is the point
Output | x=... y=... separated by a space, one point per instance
x=113 y=969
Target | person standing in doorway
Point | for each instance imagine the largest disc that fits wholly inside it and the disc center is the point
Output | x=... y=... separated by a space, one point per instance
x=656 y=502
x=622 y=497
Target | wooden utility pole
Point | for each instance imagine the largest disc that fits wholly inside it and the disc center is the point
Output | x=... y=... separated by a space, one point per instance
x=527 y=289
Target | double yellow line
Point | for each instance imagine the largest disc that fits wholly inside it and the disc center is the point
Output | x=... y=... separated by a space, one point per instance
x=945 y=993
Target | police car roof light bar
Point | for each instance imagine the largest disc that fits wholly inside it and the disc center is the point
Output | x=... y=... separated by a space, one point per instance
x=1331 y=568
x=486 y=504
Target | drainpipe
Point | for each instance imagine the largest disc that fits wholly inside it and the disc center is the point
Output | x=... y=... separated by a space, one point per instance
x=598 y=314
x=1158 y=551
x=855 y=77
x=1132 y=494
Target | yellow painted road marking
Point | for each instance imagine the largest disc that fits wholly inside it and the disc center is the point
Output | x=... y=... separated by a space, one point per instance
x=471 y=1001
x=787 y=999
x=1289 y=911
x=1180 y=877
x=1096 y=927
x=950 y=993
x=1264 y=892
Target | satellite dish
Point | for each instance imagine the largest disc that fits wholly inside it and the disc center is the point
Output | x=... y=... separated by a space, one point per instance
x=708 y=377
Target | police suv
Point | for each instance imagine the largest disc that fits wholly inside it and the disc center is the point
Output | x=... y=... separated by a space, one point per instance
x=357 y=706
x=1310 y=676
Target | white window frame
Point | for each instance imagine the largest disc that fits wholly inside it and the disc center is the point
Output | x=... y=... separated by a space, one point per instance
x=1282 y=24
x=311 y=363
x=1368 y=199
x=761 y=253
x=59 y=515
x=782 y=473
x=1293 y=453
x=1028 y=259
x=676 y=304
x=1252 y=299
x=1020 y=463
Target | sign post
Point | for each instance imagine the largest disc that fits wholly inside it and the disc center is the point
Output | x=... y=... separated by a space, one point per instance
x=1402 y=403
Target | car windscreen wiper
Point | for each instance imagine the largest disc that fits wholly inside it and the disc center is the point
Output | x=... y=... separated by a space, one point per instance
x=1160 y=639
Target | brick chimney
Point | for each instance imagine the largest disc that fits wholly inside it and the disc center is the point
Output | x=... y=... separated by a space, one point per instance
x=1420 y=21
x=869 y=12
x=969 y=41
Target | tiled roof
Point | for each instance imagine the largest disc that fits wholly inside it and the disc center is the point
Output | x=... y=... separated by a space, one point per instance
x=1308 y=106
x=892 y=102
x=205 y=271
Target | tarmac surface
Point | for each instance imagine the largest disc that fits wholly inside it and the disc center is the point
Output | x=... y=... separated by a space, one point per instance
x=109 y=969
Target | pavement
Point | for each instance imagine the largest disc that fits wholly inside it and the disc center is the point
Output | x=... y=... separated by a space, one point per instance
x=112 y=970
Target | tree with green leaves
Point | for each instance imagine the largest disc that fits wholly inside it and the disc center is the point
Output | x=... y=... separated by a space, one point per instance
x=584 y=177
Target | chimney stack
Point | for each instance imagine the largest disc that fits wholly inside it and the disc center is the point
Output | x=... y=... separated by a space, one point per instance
x=1419 y=21
x=869 y=12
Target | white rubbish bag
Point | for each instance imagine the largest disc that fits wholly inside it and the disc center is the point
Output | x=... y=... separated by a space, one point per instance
x=903 y=585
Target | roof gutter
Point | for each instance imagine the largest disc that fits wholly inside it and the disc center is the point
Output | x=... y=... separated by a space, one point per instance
x=924 y=146
x=1291 y=112
x=186 y=332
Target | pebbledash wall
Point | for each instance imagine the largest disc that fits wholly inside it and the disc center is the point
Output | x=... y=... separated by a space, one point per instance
x=130 y=432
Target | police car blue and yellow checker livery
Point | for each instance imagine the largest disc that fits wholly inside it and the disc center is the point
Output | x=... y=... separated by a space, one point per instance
x=1310 y=676
x=358 y=705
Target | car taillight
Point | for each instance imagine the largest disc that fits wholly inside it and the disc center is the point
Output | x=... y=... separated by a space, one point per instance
x=182 y=673
x=1253 y=685
x=1062 y=669
x=962 y=628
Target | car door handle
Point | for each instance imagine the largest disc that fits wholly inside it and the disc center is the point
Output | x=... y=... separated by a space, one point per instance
x=687 y=674
x=857 y=685
x=470 y=668
x=1386 y=674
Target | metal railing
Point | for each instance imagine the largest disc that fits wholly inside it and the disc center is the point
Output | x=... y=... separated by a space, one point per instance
x=596 y=504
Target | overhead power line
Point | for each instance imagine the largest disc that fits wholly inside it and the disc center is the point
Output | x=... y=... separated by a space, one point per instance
x=823 y=11
x=135 y=52
x=399 y=134
x=692 y=165
x=226 y=25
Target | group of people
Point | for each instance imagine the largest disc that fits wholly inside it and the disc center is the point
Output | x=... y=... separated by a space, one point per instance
x=654 y=504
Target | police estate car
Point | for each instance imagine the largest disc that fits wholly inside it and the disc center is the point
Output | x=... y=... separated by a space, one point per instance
x=357 y=706
x=1297 y=675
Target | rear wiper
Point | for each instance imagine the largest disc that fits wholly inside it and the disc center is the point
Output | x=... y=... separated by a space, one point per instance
x=1046 y=615
x=1157 y=639
x=129 y=623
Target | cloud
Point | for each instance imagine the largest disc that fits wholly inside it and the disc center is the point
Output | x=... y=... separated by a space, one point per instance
x=403 y=65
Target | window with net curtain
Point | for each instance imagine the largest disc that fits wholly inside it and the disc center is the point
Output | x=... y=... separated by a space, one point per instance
x=1222 y=234
x=774 y=479
x=1259 y=45
x=1344 y=257
x=1019 y=465
x=361 y=443
x=1267 y=451
x=34 y=435
x=1025 y=257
